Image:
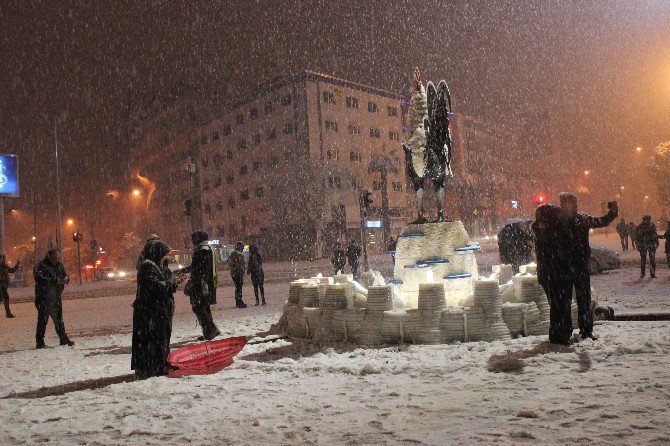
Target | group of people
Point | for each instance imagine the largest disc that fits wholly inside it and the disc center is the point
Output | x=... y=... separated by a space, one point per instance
x=645 y=239
x=153 y=308
x=562 y=250
x=340 y=258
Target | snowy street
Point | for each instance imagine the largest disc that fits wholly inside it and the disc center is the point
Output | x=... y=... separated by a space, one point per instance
x=612 y=391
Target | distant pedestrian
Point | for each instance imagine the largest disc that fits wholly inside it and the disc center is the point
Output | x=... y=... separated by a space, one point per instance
x=153 y=310
x=392 y=245
x=353 y=256
x=666 y=236
x=255 y=270
x=50 y=280
x=554 y=272
x=237 y=268
x=4 y=282
x=578 y=226
x=632 y=234
x=201 y=287
x=622 y=229
x=338 y=259
x=647 y=243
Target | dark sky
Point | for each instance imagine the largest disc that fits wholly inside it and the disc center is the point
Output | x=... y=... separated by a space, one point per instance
x=601 y=67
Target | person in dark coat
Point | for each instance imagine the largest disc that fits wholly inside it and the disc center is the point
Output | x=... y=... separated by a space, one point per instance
x=255 y=270
x=554 y=272
x=201 y=287
x=353 y=257
x=578 y=226
x=152 y=314
x=622 y=229
x=631 y=234
x=647 y=243
x=50 y=280
x=338 y=259
x=666 y=237
x=515 y=244
x=152 y=238
x=236 y=261
x=4 y=282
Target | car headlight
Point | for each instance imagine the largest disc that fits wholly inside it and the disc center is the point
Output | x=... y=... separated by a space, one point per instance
x=122 y=274
x=110 y=275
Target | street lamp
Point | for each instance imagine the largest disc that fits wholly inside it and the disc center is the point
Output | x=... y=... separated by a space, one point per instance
x=638 y=149
x=586 y=172
x=136 y=193
x=70 y=222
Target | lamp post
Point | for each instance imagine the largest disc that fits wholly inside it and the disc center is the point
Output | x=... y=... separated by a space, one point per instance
x=59 y=229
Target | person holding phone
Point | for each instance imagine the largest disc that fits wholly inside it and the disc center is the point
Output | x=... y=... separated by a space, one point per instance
x=50 y=280
x=578 y=225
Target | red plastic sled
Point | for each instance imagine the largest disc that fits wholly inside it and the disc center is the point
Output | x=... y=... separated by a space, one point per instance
x=205 y=358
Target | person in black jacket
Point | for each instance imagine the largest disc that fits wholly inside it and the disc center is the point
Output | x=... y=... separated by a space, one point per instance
x=202 y=284
x=152 y=314
x=152 y=238
x=554 y=272
x=338 y=259
x=255 y=270
x=622 y=229
x=353 y=256
x=578 y=226
x=4 y=282
x=631 y=233
x=515 y=244
x=237 y=269
x=50 y=280
x=666 y=237
x=647 y=243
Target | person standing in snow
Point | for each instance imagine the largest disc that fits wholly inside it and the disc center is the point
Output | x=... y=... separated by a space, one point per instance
x=622 y=229
x=353 y=256
x=4 y=282
x=554 y=271
x=152 y=238
x=201 y=287
x=632 y=235
x=578 y=226
x=236 y=261
x=338 y=259
x=255 y=270
x=515 y=244
x=152 y=313
x=647 y=243
x=666 y=236
x=50 y=280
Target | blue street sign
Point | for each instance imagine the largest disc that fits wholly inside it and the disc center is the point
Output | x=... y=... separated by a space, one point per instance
x=9 y=176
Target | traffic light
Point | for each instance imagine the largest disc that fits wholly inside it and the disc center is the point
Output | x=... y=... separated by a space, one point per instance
x=77 y=237
x=188 y=207
x=540 y=199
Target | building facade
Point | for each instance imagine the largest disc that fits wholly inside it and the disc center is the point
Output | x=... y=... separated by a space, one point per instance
x=283 y=167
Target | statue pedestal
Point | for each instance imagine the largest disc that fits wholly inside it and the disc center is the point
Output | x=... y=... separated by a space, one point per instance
x=435 y=252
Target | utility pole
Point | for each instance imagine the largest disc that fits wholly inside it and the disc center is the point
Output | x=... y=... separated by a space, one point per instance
x=364 y=201
x=78 y=237
x=2 y=226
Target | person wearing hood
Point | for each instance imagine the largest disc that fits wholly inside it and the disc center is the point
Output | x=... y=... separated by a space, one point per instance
x=152 y=314
x=201 y=287
x=338 y=259
x=50 y=280
x=553 y=271
x=152 y=238
x=647 y=243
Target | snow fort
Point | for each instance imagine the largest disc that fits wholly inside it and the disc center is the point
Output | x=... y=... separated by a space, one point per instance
x=436 y=296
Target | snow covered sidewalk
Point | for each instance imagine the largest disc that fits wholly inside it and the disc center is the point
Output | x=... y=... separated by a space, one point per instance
x=612 y=391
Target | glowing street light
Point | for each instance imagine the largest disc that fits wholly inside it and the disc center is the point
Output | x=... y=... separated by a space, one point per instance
x=622 y=188
x=70 y=222
x=646 y=197
x=638 y=149
x=586 y=172
x=136 y=193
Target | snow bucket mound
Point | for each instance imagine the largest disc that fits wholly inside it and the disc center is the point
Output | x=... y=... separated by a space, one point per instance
x=437 y=296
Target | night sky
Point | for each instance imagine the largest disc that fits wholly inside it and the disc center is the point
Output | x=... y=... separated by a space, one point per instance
x=601 y=67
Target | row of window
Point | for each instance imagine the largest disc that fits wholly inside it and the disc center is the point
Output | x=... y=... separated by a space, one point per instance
x=244 y=196
x=352 y=102
x=335 y=182
x=254 y=113
x=334 y=154
x=331 y=126
x=242 y=144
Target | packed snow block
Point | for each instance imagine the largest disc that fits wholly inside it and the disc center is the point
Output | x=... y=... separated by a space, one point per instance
x=360 y=301
x=313 y=320
x=354 y=320
x=309 y=295
x=486 y=296
x=338 y=296
x=464 y=262
x=392 y=331
x=371 y=332
x=453 y=324
x=431 y=297
x=294 y=291
x=515 y=316
x=343 y=278
x=331 y=327
x=295 y=318
x=368 y=279
x=530 y=268
x=507 y=294
x=456 y=289
x=413 y=326
x=379 y=299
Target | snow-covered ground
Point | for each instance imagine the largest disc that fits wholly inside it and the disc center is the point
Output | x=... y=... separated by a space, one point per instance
x=612 y=391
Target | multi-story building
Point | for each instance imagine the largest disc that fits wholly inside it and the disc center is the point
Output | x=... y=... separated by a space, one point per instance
x=284 y=167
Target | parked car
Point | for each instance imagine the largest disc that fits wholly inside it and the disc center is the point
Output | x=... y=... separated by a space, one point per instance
x=603 y=259
x=110 y=273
